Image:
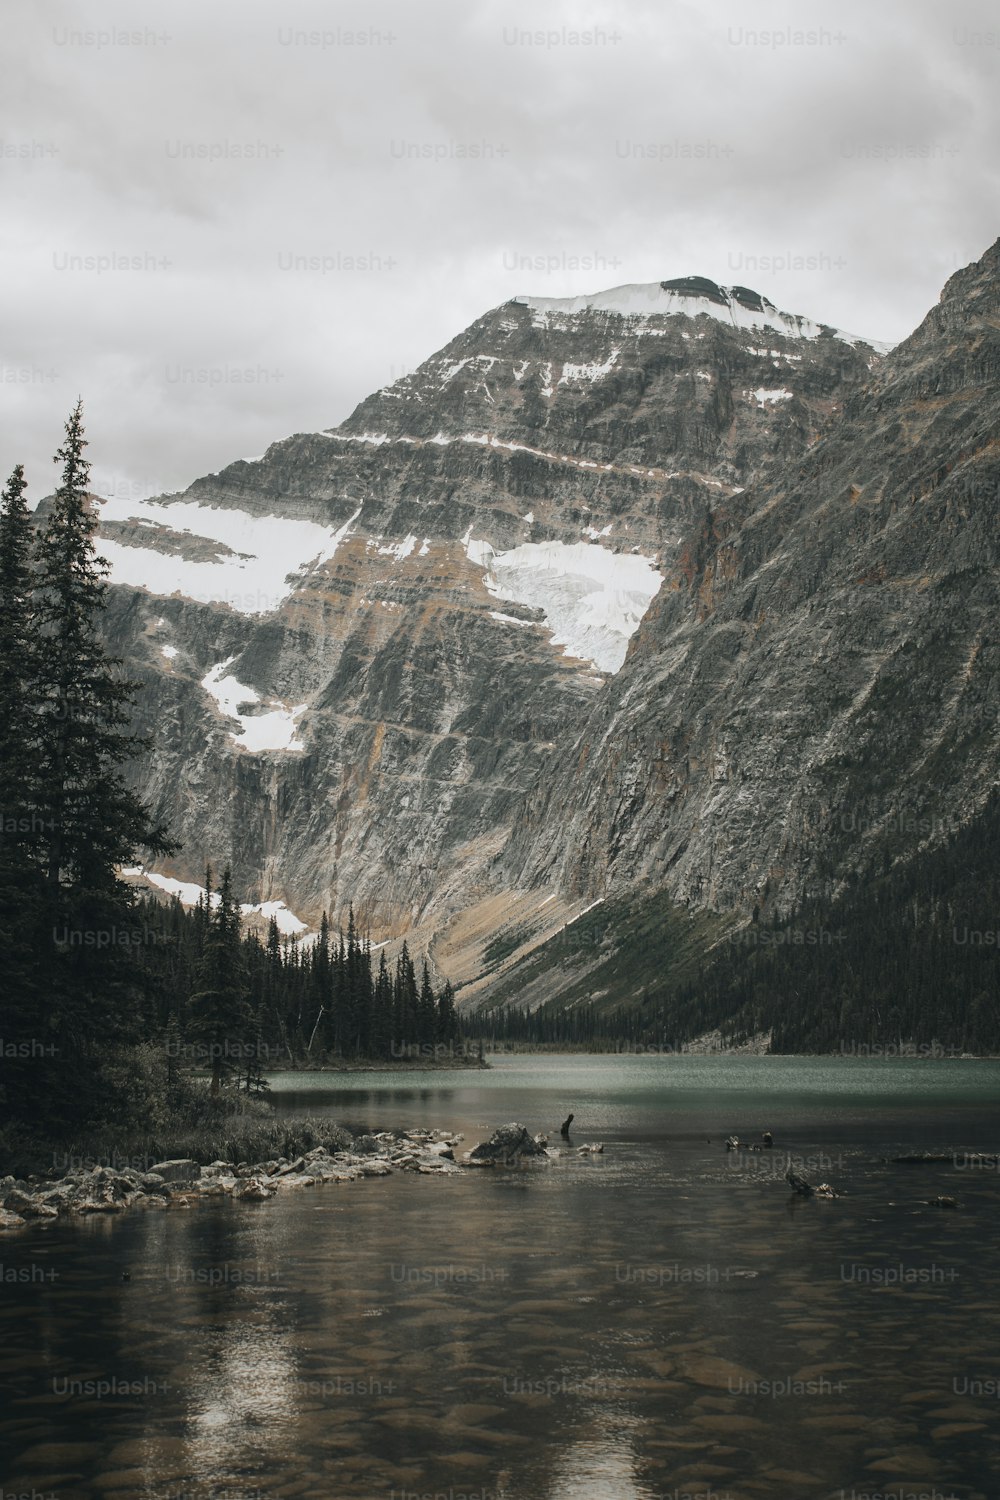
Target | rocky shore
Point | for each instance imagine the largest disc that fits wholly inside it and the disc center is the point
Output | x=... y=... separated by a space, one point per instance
x=180 y=1183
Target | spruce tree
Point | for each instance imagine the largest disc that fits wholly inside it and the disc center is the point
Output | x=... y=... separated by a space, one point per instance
x=273 y=988
x=405 y=1003
x=26 y=1042
x=447 y=1018
x=426 y=1012
x=18 y=698
x=220 y=1021
x=353 y=1005
x=88 y=820
x=97 y=822
x=322 y=988
x=381 y=1033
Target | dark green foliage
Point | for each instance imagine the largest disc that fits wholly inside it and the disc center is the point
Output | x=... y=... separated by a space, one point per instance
x=219 y=1014
x=94 y=821
x=447 y=1018
x=18 y=729
x=236 y=1006
x=21 y=887
x=69 y=991
x=908 y=960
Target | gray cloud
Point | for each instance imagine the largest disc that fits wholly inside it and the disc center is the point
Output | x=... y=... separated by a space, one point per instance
x=410 y=166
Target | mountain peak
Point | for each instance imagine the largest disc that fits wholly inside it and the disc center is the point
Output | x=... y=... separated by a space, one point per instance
x=691 y=296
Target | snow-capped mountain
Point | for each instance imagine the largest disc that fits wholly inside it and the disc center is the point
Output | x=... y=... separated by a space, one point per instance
x=364 y=652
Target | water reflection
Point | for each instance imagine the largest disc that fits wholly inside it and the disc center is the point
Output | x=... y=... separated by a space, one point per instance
x=243 y=1379
x=597 y=1330
x=601 y=1467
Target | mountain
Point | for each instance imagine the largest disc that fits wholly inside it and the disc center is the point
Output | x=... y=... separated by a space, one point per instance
x=360 y=651
x=622 y=626
x=812 y=700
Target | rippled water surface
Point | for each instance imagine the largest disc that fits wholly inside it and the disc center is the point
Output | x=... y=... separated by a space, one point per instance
x=662 y=1320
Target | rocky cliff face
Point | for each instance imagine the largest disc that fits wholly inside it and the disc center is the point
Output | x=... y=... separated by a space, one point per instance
x=815 y=691
x=365 y=654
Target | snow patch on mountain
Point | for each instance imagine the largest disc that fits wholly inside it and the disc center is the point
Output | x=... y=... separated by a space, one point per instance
x=266 y=553
x=508 y=619
x=287 y=923
x=764 y=396
x=273 y=730
x=449 y=371
x=591 y=372
x=592 y=598
x=400 y=550
x=190 y=893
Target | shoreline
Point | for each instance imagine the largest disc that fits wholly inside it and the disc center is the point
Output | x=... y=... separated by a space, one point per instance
x=101 y=1189
x=886 y=1053
x=359 y=1065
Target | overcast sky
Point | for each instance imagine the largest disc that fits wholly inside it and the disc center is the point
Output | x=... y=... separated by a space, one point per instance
x=228 y=220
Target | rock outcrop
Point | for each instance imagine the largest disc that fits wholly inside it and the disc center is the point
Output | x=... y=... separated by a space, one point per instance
x=103 y=1189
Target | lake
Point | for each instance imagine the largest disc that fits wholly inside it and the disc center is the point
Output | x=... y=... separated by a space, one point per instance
x=660 y=1321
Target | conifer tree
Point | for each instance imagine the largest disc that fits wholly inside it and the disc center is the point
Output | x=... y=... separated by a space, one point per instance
x=273 y=988
x=447 y=1018
x=405 y=1001
x=18 y=698
x=219 y=1014
x=97 y=822
x=22 y=926
x=381 y=1033
x=322 y=987
x=85 y=822
x=426 y=1010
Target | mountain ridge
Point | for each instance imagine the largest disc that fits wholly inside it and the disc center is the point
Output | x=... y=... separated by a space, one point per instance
x=427 y=503
x=462 y=777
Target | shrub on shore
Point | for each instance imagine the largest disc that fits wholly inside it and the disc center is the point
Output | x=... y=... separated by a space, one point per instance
x=153 y=1115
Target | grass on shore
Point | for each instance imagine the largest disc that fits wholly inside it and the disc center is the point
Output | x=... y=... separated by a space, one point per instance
x=153 y=1116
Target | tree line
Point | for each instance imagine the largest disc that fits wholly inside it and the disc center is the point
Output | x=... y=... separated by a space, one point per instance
x=237 y=1003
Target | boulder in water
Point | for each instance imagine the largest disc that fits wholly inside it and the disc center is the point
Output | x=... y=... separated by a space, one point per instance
x=254 y=1190
x=508 y=1143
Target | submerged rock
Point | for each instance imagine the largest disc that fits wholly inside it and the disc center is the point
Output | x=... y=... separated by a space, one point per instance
x=798 y=1184
x=804 y=1188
